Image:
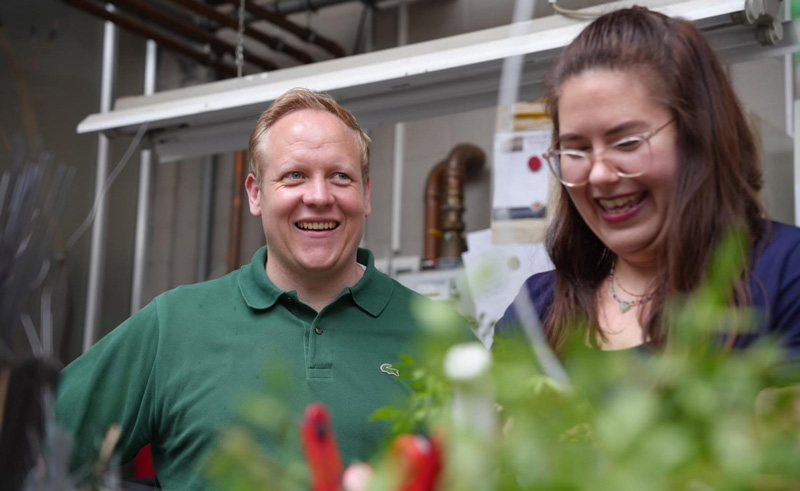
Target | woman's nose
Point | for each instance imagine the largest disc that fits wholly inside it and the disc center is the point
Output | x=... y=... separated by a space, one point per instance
x=602 y=171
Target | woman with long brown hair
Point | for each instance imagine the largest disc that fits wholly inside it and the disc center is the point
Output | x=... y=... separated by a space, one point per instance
x=657 y=162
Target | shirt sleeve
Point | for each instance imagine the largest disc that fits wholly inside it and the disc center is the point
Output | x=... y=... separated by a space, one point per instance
x=509 y=322
x=785 y=315
x=111 y=383
x=540 y=289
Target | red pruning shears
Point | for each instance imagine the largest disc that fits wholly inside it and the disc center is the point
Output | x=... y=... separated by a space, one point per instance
x=321 y=450
x=418 y=460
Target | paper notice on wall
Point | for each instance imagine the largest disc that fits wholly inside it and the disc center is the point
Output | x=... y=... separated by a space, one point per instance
x=521 y=175
x=495 y=274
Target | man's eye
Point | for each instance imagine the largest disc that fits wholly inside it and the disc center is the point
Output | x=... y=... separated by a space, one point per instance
x=341 y=176
x=294 y=175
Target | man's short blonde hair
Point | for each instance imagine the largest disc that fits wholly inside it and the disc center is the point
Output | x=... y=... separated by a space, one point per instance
x=297 y=100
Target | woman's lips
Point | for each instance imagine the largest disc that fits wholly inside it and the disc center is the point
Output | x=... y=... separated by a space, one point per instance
x=620 y=208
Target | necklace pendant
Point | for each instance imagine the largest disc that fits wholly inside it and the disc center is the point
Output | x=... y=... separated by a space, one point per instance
x=624 y=306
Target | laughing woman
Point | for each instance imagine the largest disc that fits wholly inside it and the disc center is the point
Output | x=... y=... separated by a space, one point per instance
x=656 y=161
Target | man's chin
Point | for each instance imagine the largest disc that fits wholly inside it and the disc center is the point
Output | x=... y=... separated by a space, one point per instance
x=319 y=266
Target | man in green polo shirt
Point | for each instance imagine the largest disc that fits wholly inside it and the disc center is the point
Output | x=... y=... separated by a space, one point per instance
x=311 y=300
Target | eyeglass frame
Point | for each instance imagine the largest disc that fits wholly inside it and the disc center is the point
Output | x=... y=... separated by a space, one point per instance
x=592 y=156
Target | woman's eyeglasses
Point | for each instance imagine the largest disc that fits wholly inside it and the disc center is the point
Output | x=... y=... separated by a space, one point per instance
x=628 y=157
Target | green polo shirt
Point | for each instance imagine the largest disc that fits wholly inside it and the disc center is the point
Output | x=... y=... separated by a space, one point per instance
x=175 y=372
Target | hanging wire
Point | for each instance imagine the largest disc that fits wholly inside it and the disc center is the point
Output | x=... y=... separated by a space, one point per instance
x=109 y=181
x=360 y=29
x=240 y=42
x=310 y=22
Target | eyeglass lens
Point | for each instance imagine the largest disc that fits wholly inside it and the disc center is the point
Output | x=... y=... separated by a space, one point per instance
x=628 y=158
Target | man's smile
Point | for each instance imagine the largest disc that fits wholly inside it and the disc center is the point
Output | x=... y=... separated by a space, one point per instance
x=306 y=225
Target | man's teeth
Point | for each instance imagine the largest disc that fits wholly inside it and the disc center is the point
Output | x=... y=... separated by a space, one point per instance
x=620 y=204
x=317 y=225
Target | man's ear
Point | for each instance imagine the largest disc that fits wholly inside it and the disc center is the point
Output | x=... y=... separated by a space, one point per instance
x=367 y=191
x=253 y=194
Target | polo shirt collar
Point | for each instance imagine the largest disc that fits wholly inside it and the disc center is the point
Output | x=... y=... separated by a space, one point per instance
x=258 y=291
x=373 y=290
x=371 y=293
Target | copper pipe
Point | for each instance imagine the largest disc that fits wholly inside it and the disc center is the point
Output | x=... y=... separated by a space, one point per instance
x=433 y=215
x=444 y=224
x=303 y=33
x=275 y=43
x=5 y=376
x=235 y=236
x=189 y=30
x=140 y=29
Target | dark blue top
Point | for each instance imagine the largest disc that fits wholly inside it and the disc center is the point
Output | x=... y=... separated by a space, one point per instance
x=774 y=286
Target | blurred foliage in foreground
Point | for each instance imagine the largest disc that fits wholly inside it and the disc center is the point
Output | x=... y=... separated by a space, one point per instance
x=692 y=416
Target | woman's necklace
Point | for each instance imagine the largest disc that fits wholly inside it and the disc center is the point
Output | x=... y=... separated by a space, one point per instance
x=625 y=305
x=625 y=290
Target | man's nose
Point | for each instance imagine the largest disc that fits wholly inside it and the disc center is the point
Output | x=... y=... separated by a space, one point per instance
x=317 y=192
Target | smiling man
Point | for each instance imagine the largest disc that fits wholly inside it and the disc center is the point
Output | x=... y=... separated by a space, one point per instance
x=309 y=183
x=310 y=306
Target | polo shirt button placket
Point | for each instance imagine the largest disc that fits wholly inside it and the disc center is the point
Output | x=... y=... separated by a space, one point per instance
x=318 y=330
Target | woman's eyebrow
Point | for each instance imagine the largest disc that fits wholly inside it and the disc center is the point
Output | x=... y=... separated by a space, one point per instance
x=570 y=137
x=615 y=130
x=626 y=126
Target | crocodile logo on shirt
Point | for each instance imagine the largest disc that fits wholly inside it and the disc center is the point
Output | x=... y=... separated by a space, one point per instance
x=388 y=368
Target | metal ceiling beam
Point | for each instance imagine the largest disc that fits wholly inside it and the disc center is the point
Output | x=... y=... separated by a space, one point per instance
x=216 y=16
x=288 y=7
x=303 y=33
x=189 y=30
x=167 y=42
x=444 y=76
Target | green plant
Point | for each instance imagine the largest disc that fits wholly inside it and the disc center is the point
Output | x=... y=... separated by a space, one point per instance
x=692 y=416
